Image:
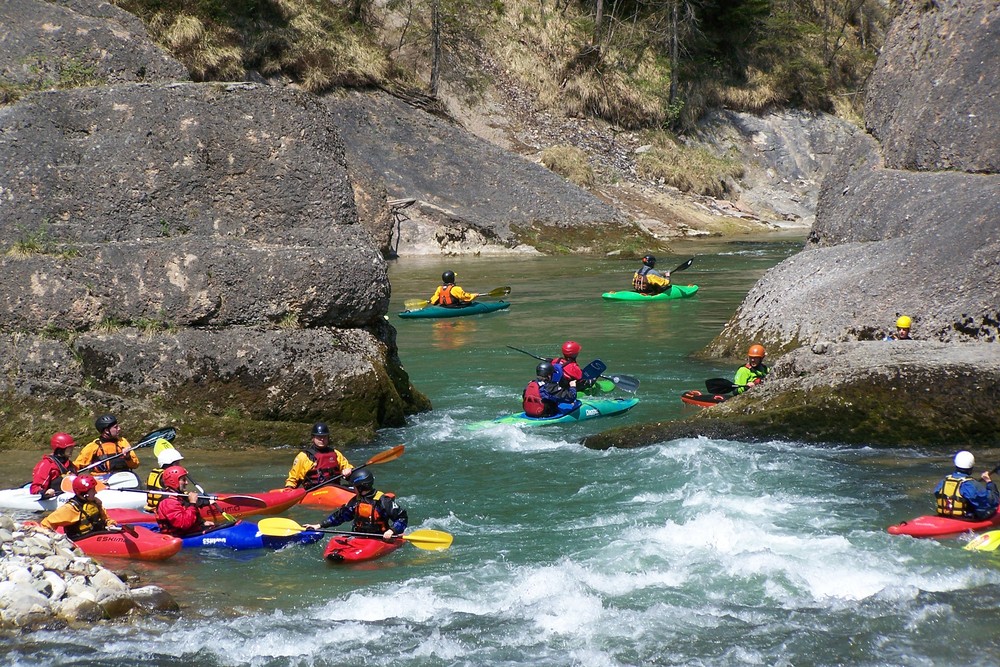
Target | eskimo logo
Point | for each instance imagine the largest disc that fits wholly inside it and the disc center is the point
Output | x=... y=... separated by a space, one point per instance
x=213 y=540
x=591 y=412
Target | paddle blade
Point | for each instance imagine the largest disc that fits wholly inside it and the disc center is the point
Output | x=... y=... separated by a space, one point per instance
x=988 y=541
x=593 y=370
x=66 y=485
x=415 y=304
x=429 y=540
x=499 y=291
x=390 y=454
x=683 y=266
x=248 y=502
x=626 y=383
x=167 y=433
x=279 y=527
x=719 y=386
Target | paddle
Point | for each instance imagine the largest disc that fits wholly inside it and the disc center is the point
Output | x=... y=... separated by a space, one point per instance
x=118 y=481
x=428 y=540
x=390 y=454
x=626 y=383
x=685 y=265
x=988 y=541
x=720 y=386
x=249 y=501
x=417 y=304
x=168 y=433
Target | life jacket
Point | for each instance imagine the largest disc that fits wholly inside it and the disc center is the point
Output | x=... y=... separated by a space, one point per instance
x=368 y=514
x=106 y=450
x=90 y=518
x=950 y=501
x=532 y=400
x=154 y=482
x=445 y=298
x=63 y=466
x=326 y=465
x=639 y=282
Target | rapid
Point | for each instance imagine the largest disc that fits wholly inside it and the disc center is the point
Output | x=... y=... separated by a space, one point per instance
x=687 y=552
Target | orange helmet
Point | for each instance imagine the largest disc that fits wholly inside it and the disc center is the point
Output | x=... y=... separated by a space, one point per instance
x=84 y=483
x=62 y=441
x=756 y=351
x=570 y=349
x=171 y=477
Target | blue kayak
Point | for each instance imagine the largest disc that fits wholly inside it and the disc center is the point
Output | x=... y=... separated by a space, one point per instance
x=474 y=308
x=589 y=408
x=240 y=536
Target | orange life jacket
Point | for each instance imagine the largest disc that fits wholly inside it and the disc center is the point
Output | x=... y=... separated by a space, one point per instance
x=368 y=516
x=445 y=297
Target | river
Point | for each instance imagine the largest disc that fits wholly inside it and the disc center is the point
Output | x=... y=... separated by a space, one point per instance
x=688 y=552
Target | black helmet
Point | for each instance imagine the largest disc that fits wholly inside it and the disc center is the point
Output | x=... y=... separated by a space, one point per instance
x=319 y=428
x=448 y=277
x=649 y=261
x=362 y=479
x=544 y=370
x=105 y=422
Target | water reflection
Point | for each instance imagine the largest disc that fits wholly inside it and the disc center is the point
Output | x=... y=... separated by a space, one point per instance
x=452 y=334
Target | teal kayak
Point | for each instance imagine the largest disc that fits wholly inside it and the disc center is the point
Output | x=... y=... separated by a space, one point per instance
x=590 y=408
x=474 y=308
x=675 y=292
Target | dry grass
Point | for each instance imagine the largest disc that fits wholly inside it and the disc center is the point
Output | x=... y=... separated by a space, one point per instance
x=687 y=168
x=570 y=163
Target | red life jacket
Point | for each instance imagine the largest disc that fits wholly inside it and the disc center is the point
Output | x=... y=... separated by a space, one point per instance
x=326 y=466
x=532 y=400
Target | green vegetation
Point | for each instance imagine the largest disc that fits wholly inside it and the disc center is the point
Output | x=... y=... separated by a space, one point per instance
x=570 y=163
x=687 y=169
x=47 y=73
x=40 y=242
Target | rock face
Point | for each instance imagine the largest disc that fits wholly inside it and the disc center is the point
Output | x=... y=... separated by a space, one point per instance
x=472 y=196
x=160 y=249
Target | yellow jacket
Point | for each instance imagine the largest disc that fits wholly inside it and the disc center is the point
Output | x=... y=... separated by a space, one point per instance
x=68 y=514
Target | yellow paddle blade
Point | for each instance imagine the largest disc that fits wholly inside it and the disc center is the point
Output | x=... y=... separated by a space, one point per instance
x=279 y=527
x=416 y=304
x=989 y=541
x=429 y=540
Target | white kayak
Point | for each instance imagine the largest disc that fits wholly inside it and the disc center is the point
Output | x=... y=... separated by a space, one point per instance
x=22 y=499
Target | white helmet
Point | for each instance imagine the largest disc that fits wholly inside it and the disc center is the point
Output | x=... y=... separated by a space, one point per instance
x=168 y=456
x=964 y=460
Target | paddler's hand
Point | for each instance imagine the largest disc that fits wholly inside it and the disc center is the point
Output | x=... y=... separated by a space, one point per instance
x=311 y=526
x=388 y=535
x=49 y=494
x=985 y=477
x=193 y=497
x=346 y=472
x=113 y=528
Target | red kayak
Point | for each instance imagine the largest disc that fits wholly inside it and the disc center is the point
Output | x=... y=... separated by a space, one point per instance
x=144 y=544
x=932 y=525
x=695 y=397
x=347 y=549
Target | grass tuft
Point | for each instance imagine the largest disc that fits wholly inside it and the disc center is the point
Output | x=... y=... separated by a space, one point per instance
x=570 y=163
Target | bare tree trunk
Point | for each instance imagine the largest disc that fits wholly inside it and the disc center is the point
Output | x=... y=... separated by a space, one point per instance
x=436 y=40
x=598 y=21
x=675 y=40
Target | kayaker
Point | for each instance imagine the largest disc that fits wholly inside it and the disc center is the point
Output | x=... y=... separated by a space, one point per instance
x=110 y=448
x=179 y=515
x=83 y=513
x=450 y=295
x=903 y=325
x=753 y=372
x=960 y=496
x=543 y=395
x=53 y=466
x=372 y=511
x=167 y=458
x=567 y=369
x=647 y=280
x=318 y=462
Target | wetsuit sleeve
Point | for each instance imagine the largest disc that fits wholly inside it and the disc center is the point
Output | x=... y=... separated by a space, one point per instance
x=131 y=458
x=982 y=497
x=43 y=475
x=395 y=515
x=462 y=295
x=86 y=455
x=742 y=378
x=65 y=515
x=180 y=516
x=297 y=474
x=342 y=461
x=345 y=513
x=437 y=296
x=657 y=278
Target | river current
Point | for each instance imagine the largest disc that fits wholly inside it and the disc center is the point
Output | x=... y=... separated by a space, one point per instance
x=687 y=552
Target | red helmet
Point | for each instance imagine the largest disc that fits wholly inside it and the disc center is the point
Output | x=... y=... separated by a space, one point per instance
x=171 y=477
x=62 y=441
x=570 y=349
x=84 y=483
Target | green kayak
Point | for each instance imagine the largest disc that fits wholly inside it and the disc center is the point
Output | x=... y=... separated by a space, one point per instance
x=590 y=408
x=475 y=308
x=675 y=292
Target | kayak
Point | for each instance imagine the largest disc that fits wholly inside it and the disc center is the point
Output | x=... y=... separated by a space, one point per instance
x=475 y=308
x=144 y=545
x=22 y=499
x=330 y=496
x=932 y=525
x=239 y=536
x=675 y=292
x=695 y=397
x=348 y=549
x=591 y=408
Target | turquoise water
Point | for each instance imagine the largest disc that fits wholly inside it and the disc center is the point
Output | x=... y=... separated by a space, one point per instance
x=688 y=552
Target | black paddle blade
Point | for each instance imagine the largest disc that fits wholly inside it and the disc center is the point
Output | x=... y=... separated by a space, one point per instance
x=593 y=370
x=685 y=265
x=626 y=383
x=720 y=386
x=168 y=433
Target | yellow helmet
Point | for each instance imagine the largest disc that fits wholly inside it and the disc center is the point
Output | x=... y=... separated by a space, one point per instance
x=904 y=322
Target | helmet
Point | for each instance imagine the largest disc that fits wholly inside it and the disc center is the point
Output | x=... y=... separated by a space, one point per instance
x=105 y=422
x=319 y=428
x=168 y=456
x=544 y=370
x=84 y=483
x=62 y=441
x=904 y=322
x=362 y=479
x=964 y=460
x=171 y=477
x=570 y=348
x=448 y=277
x=756 y=351
x=649 y=261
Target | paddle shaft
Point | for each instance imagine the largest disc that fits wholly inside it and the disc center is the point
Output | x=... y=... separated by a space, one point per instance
x=214 y=499
x=390 y=454
x=149 y=439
